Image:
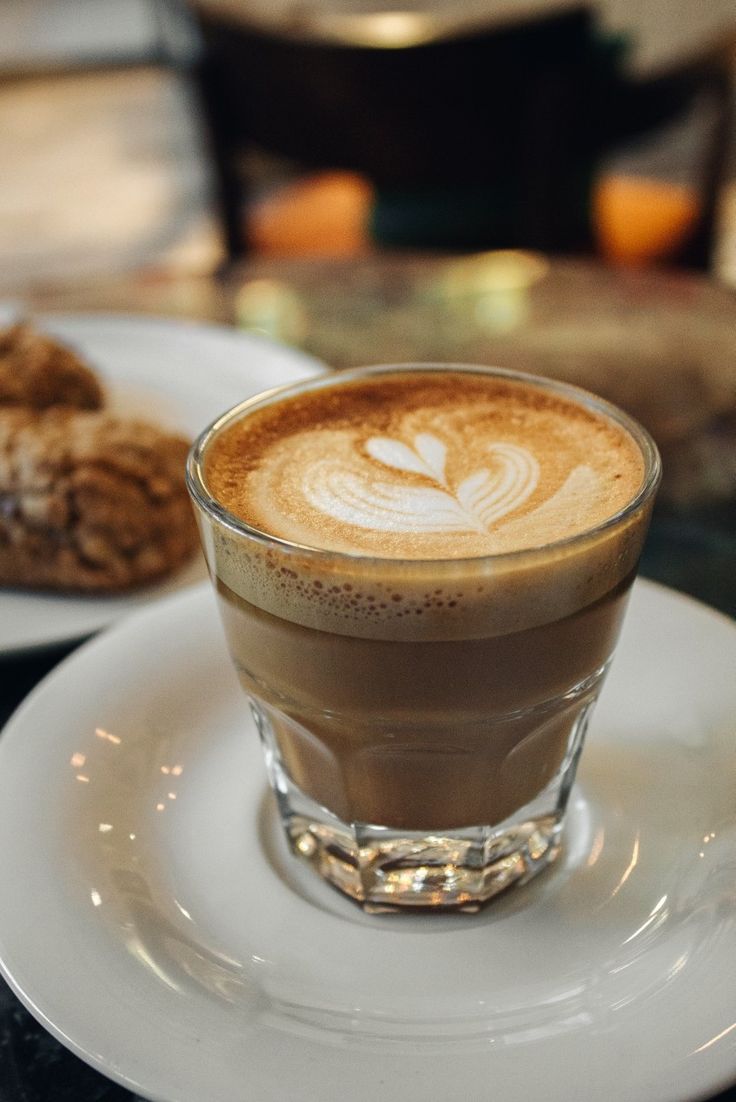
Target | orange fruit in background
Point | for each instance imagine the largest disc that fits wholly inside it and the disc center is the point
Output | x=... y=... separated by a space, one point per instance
x=640 y=221
x=637 y=221
x=323 y=214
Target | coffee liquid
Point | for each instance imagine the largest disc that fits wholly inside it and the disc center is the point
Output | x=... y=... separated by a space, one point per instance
x=459 y=718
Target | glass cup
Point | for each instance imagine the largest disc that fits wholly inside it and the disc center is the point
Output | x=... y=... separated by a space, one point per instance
x=414 y=768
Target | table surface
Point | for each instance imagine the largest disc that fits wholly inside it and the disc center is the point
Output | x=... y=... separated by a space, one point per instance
x=660 y=344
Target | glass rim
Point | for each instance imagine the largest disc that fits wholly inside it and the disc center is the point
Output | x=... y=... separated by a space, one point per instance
x=197 y=485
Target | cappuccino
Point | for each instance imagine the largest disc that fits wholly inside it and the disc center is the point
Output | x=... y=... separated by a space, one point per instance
x=422 y=574
x=425 y=466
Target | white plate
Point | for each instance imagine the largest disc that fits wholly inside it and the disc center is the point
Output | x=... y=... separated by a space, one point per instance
x=152 y=920
x=179 y=374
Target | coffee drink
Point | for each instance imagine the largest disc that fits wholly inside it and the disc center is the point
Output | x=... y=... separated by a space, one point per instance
x=422 y=574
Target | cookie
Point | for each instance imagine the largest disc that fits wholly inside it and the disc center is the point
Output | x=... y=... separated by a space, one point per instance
x=90 y=502
x=39 y=372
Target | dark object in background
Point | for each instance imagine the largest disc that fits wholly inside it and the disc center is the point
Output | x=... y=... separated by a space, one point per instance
x=487 y=140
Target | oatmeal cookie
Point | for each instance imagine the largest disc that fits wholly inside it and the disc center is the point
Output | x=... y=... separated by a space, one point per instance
x=90 y=502
x=37 y=371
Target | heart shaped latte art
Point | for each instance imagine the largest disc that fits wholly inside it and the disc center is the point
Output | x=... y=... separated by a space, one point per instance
x=353 y=495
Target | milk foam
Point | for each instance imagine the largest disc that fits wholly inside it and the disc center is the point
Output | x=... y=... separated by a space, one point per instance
x=426 y=471
x=398 y=472
x=354 y=496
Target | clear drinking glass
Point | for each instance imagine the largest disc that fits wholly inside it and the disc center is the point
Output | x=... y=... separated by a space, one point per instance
x=410 y=770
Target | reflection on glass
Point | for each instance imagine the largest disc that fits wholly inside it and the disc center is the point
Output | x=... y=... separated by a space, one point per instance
x=657 y=916
x=714 y=1040
x=103 y=734
x=596 y=848
x=629 y=868
x=183 y=910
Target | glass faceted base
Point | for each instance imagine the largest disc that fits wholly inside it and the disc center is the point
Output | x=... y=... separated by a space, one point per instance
x=383 y=869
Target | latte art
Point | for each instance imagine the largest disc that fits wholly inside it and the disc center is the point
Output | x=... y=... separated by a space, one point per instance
x=354 y=496
x=424 y=465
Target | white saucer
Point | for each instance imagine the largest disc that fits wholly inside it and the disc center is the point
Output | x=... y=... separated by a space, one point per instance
x=179 y=374
x=151 y=919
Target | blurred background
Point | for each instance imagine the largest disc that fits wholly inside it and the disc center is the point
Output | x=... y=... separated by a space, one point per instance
x=162 y=138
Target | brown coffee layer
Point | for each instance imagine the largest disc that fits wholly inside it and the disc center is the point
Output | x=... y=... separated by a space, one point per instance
x=426 y=734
